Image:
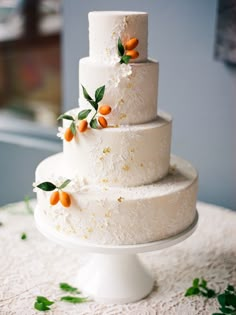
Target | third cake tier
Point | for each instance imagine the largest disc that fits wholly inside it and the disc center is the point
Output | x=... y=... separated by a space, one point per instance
x=126 y=155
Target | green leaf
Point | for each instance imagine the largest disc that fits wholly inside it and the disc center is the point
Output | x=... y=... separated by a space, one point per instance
x=64 y=116
x=84 y=114
x=86 y=95
x=68 y=288
x=211 y=293
x=121 y=49
x=44 y=300
x=94 y=123
x=23 y=236
x=73 y=128
x=231 y=300
x=94 y=104
x=63 y=185
x=221 y=299
x=74 y=299
x=226 y=310
x=217 y=314
x=125 y=59
x=47 y=186
x=42 y=303
x=41 y=307
x=99 y=94
x=192 y=291
x=230 y=288
x=195 y=283
x=203 y=283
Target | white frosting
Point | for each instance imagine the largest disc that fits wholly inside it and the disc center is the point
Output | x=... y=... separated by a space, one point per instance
x=121 y=190
x=118 y=215
x=105 y=27
x=131 y=90
x=128 y=155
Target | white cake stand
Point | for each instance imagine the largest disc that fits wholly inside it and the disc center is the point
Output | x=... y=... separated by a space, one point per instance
x=114 y=274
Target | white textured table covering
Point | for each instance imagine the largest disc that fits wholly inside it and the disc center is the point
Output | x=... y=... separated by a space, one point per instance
x=36 y=266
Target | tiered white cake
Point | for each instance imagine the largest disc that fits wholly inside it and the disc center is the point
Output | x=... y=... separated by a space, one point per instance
x=117 y=185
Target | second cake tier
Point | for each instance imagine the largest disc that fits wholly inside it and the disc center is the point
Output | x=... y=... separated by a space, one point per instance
x=131 y=90
x=123 y=156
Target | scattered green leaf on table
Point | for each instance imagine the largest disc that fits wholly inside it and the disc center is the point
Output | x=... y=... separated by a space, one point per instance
x=42 y=303
x=74 y=299
x=68 y=288
x=23 y=236
x=200 y=288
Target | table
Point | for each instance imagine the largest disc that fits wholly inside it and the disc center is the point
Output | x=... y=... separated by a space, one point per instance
x=35 y=266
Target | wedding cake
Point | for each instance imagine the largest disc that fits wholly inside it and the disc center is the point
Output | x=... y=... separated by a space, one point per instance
x=115 y=181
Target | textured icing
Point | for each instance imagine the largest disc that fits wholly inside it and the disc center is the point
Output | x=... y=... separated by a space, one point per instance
x=119 y=215
x=128 y=155
x=122 y=187
x=131 y=90
x=106 y=27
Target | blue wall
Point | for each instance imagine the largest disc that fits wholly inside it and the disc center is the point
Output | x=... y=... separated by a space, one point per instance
x=198 y=91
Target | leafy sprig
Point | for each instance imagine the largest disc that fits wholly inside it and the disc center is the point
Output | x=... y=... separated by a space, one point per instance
x=48 y=186
x=68 y=288
x=227 y=301
x=199 y=287
x=99 y=93
x=71 y=118
x=42 y=304
x=121 y=51
x=74 y=299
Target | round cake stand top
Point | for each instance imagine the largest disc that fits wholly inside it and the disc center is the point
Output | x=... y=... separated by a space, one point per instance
x=72 y=242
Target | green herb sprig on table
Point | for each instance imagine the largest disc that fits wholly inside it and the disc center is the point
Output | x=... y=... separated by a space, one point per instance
x=74 y=299
x=199 y=287
x=68 y=288
x=42 y=304
x=23 y=236
x=227 y=301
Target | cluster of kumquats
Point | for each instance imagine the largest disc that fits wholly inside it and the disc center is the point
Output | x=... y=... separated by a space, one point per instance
x=127 y=51
x=58 y=193
x=95 y=121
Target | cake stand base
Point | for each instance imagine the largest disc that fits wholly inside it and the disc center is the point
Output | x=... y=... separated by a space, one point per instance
x=115 y=279
x=114 y=274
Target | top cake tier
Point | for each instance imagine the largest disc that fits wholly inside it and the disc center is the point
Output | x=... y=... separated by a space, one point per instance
x=106 y=27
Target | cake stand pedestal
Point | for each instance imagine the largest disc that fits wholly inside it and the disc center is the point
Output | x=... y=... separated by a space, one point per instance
x=114 y=274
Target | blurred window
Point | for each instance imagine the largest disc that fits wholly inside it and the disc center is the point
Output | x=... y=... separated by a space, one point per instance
x=30 y=60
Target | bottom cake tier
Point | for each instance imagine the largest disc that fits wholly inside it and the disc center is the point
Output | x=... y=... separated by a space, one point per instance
x=120 y=215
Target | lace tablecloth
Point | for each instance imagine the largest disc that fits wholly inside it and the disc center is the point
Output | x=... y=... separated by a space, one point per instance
x=36 y=266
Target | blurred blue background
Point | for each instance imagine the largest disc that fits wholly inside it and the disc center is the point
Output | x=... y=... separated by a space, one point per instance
x=197 y=90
